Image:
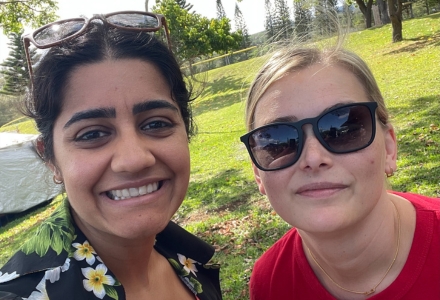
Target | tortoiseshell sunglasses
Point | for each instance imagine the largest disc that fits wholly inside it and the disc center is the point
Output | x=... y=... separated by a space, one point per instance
x=55 y=33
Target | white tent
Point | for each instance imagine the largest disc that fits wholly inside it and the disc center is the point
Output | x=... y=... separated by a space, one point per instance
x=25 y=181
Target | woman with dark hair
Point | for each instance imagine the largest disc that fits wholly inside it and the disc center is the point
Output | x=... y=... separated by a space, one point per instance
x=113 y=111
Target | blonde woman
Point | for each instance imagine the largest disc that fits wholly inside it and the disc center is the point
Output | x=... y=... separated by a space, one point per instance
x=322 y=145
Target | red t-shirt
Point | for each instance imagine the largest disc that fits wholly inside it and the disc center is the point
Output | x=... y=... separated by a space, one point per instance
x=283 y=271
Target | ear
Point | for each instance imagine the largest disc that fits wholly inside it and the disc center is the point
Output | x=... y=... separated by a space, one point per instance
x=258 y=179
x=55 y=170
x=39 y=146
x=390 y=149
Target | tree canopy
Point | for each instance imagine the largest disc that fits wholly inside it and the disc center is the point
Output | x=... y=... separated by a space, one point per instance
x=15 y=14
x=193 y=35
x=15 y=69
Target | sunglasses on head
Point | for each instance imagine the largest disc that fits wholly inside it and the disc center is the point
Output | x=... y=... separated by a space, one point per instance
x=344 y=129
x=55 y=33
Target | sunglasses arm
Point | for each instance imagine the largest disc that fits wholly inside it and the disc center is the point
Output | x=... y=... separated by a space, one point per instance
x=26 y=42
x=167 y=33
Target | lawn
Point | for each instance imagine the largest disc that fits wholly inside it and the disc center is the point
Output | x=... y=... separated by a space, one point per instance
x=223 y=205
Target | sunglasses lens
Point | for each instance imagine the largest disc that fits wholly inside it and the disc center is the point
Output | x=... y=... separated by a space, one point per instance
x=346 y=129
x=57 y=32
x=134 y=20
x=275 y=146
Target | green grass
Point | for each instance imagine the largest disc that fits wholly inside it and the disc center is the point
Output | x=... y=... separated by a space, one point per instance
x=223 y=205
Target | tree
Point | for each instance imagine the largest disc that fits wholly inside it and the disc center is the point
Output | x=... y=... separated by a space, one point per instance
x=269 y=25
x=365 y=8
x=383 y=10
x=326 y=17
x=16 y=14
x=220 y=10
x=193 y=35
x=15 y=69
x=282 y=21
x=184 y=5
x=395 y=11
x=302 y=18
x=240 y=26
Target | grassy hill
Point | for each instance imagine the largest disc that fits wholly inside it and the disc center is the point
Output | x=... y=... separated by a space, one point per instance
x=223 y=205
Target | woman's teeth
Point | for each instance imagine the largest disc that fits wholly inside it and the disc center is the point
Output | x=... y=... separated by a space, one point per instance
x=133 y=192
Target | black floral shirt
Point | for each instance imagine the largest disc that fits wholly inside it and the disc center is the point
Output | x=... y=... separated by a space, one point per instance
x=59 y=263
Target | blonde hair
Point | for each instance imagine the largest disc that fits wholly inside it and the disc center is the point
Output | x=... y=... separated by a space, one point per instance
x=291 y=59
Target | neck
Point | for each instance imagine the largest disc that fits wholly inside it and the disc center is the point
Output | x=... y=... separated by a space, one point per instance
x=358 y=258
x=130 y=260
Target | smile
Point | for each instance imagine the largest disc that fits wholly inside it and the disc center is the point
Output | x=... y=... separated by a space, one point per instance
x=133 y=192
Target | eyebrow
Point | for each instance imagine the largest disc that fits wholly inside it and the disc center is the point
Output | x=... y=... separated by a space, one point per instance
x=107 y=112
x=110 y=112
x=155 y=104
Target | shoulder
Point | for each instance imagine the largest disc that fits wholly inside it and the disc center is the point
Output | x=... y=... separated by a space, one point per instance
x=190 y=258
x=48 y=249
x=421 y=202
x=278 y=257
x=272 y=274
x=58 y=263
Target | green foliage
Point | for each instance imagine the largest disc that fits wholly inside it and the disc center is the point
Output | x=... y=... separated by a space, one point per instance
x=14 y=234
x=184 y=5
x=15 y=69
x=269 y=25
x=9 y=109
x=278 y=23
x=325 y=17
x=15 y=15
x=283 y=24
x=193 y=35
x=56 y=232
x=303 y=18
x=240 y=26
x=220 y=10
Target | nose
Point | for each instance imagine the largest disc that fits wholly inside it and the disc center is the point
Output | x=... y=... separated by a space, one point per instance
x=132 y=152
x=314 y=156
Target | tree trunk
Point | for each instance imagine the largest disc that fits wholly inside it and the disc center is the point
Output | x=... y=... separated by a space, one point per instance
x=395 y=11
x=366 y=11
x=427 y=6
x=146 y=5
x=383 y=11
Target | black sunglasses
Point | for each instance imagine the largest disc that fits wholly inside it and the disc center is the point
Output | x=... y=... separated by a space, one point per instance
x=56 y=33
x=344 y=129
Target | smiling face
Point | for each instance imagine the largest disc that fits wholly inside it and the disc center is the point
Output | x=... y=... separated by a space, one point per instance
x=323 y=191
x=121 y=149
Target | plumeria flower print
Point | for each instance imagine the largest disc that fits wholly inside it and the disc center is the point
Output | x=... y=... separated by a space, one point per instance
x=40 y=293
x=188 y=264
x=4 y=277
x=96 y=279
x=54 y=274
x=84 y=251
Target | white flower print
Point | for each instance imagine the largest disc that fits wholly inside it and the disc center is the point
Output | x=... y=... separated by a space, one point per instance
x=188 y=264
x=4 y=277
x=84 y=251
x=54 y=274
x=96 y=279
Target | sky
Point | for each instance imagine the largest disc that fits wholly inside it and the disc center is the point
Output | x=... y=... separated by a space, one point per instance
x=253 y=12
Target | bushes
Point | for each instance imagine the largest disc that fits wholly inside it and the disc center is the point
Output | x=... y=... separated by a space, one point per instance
x=9 y=108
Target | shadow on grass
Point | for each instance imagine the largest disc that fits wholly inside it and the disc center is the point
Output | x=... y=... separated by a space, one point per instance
x=227 y=191
x=419 y=147
x=419 y=43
